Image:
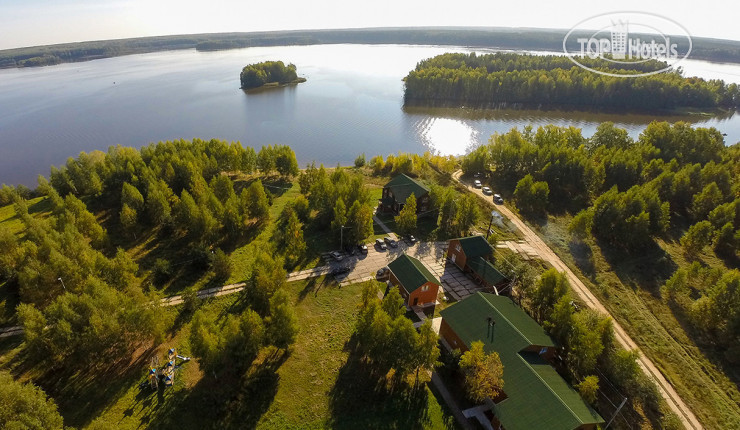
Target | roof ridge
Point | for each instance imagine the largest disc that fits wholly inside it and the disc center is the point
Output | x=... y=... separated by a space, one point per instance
x=542 y=380
x=507 y=320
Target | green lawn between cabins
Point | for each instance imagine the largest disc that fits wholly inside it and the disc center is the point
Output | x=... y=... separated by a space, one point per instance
x=319 y=385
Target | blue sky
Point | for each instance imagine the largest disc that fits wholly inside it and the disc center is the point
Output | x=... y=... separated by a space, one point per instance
x=38 y=22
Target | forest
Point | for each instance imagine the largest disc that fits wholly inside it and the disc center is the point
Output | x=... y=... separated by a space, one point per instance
x=501 y=38
x=657 y=218
x=268 y=72
x=501 y=79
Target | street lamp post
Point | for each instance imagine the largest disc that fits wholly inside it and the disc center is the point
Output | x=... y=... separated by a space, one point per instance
x=60 y=280
x=490 y=223
x=341 y=237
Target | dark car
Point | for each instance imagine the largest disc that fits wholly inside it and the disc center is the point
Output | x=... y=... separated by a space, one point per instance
x=350 y=250
x=336 y=255
x=380 y=244
x=410 y=239
x=362 y=248
x=341 y=270
x=382 y=274
x=390 y=242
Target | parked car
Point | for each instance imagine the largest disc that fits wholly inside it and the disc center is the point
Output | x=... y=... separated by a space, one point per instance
x=381 y=274
x=498 y=199
x=410 y=239
x=336 y=255
x=350 y=250
x=380 y=244
x=477 y=183
x=390 y=242
x=362 y=248
x=341 y=270
x=486 y=190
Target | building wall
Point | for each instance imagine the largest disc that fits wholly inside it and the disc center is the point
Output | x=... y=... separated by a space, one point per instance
x=460 y=258
x=451 y=337
x=429 y=296
x=424 y=297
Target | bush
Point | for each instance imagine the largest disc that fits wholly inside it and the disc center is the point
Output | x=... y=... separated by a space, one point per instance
x=162 y=271
x=221 y=266
x=360 y=160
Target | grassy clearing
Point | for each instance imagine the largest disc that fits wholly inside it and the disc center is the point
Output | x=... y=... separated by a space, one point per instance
x=629 y=286
x=319 y=384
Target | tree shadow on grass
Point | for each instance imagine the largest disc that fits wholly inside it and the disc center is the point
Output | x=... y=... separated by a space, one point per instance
x=82 y=394
x=583 y=257
x=362 y=399
x=647 y=268
x=230 y=401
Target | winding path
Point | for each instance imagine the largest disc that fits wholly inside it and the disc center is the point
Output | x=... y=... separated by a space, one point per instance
x=666 y=389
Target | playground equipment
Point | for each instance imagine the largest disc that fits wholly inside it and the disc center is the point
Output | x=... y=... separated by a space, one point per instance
x=166 y=373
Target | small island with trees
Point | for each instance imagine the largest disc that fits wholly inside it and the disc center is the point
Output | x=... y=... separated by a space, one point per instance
x=511 y=79
x=269 y=74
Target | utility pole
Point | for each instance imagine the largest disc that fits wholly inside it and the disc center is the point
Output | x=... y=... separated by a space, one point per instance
x=490 y=223
x=615 y=413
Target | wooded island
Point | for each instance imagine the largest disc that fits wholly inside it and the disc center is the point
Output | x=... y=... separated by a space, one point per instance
x=268 y=73
x=501 y=79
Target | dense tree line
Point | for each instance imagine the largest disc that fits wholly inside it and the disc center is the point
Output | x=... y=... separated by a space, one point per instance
x=587 y=340
x=83 y=300
x=25 y=406
x=266 y=72
x=338 y=199
x=388 y=340
x=627 y=192
x=231 y=343
x=508 y=78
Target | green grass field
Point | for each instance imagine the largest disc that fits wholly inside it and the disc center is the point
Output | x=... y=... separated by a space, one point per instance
x=319 y=384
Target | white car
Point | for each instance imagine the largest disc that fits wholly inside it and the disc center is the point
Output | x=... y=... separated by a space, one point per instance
x=486 y=190
x=498 y=199
x=476 y=184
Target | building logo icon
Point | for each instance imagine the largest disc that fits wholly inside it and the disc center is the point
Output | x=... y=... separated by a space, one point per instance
x=619 y=33
x=625 y=40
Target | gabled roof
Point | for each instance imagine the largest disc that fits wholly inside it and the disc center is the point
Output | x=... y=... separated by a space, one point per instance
x=411 y=273
x=403 y=186
x=536 y=396
x=475 y=246
x=486 y=270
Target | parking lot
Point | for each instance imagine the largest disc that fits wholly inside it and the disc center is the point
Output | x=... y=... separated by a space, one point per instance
x=362 y=267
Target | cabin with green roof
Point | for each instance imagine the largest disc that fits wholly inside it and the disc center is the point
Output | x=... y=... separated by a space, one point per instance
x=473 y=255
x=534 y=395
x=399 y=189
x=414 y=281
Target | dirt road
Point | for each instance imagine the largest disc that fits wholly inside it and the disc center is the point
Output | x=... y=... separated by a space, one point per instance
x=666 y=389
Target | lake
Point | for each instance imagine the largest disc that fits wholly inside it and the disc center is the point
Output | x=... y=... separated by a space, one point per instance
x=352 y=103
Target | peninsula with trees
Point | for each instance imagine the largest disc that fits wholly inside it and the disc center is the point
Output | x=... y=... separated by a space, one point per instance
x=511 y=79
x=269 y=74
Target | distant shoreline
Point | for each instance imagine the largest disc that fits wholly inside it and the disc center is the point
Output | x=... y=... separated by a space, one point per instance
x=532 y=39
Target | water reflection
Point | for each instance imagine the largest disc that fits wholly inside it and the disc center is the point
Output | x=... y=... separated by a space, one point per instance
x=351 y=103
x=447 y=136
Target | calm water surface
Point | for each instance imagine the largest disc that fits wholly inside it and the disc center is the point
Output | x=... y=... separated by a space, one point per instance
x=351 y=103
